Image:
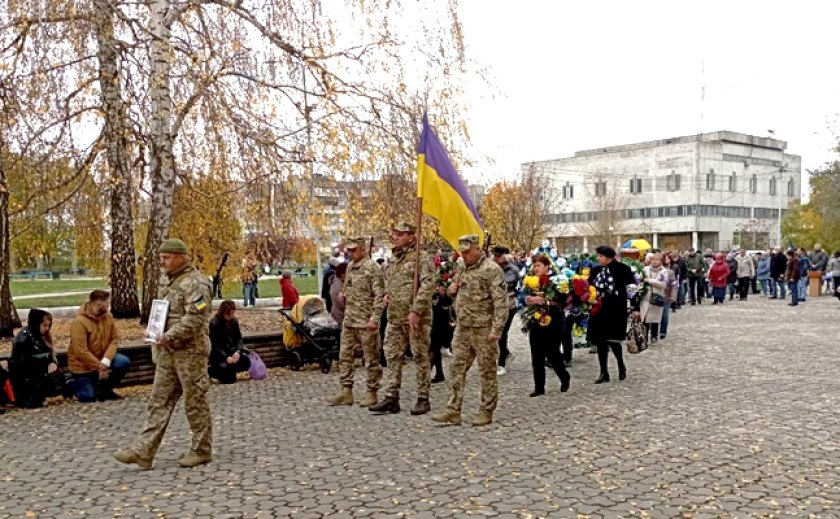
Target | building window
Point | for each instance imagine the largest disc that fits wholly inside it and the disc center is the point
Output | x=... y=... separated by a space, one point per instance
x=791 y=188
x=753 y=184
x=600 y=188
x=673 y=182
x=772 y=187
x=733 y=183
x=568 y=191
x=710 y=180
x=635 y=185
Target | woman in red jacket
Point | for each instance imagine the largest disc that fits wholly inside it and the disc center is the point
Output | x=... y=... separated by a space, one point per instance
x=289 y=291
x=718 y=275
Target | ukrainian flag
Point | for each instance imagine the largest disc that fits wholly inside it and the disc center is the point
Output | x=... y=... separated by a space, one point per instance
x=443 y=193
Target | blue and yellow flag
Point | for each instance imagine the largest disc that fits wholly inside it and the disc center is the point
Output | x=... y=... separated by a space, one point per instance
x=444 y=194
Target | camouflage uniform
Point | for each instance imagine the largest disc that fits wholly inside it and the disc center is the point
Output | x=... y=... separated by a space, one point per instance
x=363 y=292
x=401 y=301
x=184 y=370
x=482 y=307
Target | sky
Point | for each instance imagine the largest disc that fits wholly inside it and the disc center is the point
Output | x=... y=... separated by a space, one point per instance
x=567 y=76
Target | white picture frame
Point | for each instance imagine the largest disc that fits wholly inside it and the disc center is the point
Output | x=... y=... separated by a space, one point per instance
x=157 y=319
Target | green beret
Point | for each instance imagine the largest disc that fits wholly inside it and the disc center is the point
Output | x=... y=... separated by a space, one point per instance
x=173 y=246
x=404 y=227
x=466 y=242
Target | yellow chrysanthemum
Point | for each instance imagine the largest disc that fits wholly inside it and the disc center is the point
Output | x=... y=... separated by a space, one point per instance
x=585 y=272
x=532 y=282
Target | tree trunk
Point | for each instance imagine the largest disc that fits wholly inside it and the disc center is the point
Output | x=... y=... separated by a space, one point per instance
x=162 y=164
x=9 y=319
x=116 y=135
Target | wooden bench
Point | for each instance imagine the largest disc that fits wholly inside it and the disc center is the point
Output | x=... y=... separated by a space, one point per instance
x=268 y=345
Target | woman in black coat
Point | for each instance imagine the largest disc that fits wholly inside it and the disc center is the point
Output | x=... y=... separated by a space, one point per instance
x=608 y=320
x=442 y=329
x=227 y=355
x=545 y=339
x=33 y=368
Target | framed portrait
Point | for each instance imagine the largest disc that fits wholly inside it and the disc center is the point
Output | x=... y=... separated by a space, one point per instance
x=157 y=320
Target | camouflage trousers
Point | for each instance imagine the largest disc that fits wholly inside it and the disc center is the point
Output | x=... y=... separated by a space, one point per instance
x=176 y=374
x=397 y=335
x=368 y=342
x=470 y=344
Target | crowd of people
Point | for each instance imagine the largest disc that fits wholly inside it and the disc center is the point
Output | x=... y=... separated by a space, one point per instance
x=461 y=304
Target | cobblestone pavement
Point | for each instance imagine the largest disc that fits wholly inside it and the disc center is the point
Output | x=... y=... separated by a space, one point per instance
x=735 y=415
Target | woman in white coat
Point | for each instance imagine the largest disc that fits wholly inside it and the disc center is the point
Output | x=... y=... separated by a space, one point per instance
x=651 y=308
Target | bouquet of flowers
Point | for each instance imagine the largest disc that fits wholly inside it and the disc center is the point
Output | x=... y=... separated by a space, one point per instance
x=445 y=270
x=638 y=269
x=544 y=287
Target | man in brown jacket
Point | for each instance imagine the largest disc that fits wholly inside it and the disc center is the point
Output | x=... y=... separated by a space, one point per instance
x=93 y=360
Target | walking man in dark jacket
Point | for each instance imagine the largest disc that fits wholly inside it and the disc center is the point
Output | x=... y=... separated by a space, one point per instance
x=778 y=264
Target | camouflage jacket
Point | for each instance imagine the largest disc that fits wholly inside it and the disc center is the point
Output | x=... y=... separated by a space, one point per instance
x=364 y=289
x=400 y=286
x=189 y=294
x=482 y=299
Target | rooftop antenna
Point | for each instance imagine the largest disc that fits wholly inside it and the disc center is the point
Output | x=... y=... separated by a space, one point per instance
x=702 y=93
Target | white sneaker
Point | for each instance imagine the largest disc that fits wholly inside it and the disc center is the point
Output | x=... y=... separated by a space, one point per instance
x=446 y=352
x=500 y=371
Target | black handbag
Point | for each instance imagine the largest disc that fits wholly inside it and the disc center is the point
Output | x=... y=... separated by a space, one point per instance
x=657 y=300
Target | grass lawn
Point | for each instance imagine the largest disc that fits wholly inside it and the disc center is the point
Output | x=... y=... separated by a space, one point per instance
x=22 y=287
x=268 y=288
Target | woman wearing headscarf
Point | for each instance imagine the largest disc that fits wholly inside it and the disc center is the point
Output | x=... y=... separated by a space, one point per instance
x=719 y=277
x=608 y=317
x=33 y=368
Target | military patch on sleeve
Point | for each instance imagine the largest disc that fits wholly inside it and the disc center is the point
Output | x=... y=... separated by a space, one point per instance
x=201 y=304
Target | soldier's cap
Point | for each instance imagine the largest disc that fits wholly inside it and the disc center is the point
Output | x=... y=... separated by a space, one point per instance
x=355 y=241
x=466 y=242
x=404 y=227
x=498 y=250
x=173 y=246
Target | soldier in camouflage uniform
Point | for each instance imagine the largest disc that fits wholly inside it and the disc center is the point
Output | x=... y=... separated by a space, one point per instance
x=481 y=305
x=409 y=320
x=364 y=290
x=181 y=361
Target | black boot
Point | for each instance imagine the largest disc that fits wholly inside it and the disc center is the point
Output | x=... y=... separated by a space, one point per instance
x=603 y=378
x=603 y=358
x=421 y=407
x=619 y=358
x=389 y=404
x=565 y=382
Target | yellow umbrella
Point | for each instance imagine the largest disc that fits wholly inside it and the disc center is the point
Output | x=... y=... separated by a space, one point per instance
x=640 y=244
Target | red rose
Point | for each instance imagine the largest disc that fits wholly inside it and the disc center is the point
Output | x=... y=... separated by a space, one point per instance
x=445 y=277
x=544 y=280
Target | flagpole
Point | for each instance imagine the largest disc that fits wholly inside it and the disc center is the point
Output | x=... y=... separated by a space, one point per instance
x=417 y=239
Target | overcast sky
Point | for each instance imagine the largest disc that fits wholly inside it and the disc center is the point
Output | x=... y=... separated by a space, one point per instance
x=566 y=76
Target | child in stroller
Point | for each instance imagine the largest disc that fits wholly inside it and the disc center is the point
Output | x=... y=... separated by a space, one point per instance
x=310 y=334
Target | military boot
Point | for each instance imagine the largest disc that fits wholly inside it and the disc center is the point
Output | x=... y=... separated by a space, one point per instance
x=421 y=407
x=192 y=459
x=450 y=417
x=482 y=418
x=343 y=397
x=129 y=457
x=369 y=399
x=389 y=404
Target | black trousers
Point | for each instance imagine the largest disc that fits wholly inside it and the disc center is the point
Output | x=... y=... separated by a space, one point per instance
x=545 y=343
x=696 y=289
x=227 y=374
x=604 y=356
x=504 y=352
x=743 y=288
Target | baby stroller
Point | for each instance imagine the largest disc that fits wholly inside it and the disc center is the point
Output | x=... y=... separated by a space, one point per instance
x=310 y=334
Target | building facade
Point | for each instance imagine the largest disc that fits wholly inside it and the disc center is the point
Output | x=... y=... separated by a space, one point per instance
x=714 y=190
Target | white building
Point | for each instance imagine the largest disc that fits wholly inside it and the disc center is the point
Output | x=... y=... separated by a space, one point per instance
x=716 y=190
